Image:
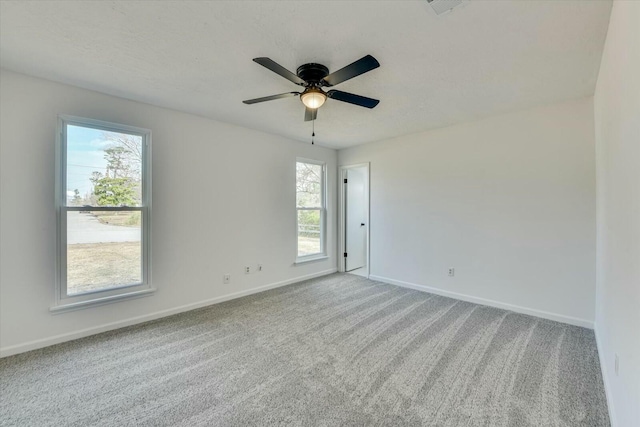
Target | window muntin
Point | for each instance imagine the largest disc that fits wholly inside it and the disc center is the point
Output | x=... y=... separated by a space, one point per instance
x=103 y=207
x=311 y=208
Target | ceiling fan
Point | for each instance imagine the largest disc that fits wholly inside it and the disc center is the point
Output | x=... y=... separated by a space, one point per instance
x=313 y=77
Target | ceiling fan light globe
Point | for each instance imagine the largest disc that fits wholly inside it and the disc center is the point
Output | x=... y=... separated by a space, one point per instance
x=313 y=99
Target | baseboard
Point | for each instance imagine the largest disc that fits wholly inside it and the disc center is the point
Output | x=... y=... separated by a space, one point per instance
x=469 y=298
x=605 y=378
x=57 y=339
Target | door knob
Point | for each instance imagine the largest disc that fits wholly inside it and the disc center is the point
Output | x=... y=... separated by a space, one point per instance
x=362 y=224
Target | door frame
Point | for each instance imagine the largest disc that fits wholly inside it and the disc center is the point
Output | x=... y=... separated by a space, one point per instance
x=343 y=212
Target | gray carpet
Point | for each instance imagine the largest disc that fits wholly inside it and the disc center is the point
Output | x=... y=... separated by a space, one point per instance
x=339 y=350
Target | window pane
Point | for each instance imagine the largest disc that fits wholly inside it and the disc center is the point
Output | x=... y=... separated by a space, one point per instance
x=309 y=232
x=103 y=168
x=308 y=185
x=104 y=250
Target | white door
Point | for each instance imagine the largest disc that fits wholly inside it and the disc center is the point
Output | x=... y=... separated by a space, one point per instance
x=355 y=222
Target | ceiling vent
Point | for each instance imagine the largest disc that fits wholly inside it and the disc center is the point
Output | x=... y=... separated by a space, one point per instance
x=444 y=6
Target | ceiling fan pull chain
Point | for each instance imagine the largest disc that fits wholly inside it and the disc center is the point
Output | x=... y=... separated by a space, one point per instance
x=313 y=130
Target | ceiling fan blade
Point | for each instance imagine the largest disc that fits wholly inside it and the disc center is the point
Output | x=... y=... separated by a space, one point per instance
x=361 y=66
x=362 y=101
x=279 y=69
x=310 y=114
x=271 y=98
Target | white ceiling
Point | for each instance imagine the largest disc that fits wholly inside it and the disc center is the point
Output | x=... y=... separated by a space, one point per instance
x=484 y=58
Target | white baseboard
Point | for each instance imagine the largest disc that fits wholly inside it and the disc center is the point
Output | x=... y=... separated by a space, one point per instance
x=605 y=377
x=469 y=298
x=57 y=339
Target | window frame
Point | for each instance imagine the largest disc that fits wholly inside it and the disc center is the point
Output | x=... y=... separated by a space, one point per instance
x=64 y=302
x=323 y=213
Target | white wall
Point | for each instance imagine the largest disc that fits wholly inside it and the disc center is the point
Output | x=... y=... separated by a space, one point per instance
x=508 y=201
x=617 y=124
x=223 y=196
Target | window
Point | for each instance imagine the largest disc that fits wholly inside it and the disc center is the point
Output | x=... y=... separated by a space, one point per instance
x=311 y=209
x=103 y=204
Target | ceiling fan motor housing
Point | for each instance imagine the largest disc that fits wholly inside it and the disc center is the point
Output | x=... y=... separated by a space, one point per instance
x=312 y=73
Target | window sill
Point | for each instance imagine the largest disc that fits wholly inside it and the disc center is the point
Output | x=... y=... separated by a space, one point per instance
x=311 y=259
x=63 y=308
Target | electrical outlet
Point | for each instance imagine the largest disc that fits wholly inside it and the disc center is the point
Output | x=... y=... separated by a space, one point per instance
x=247 y=270
x=259 y=267
x=226 y=278
x=616 y=365
x=452 y=271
